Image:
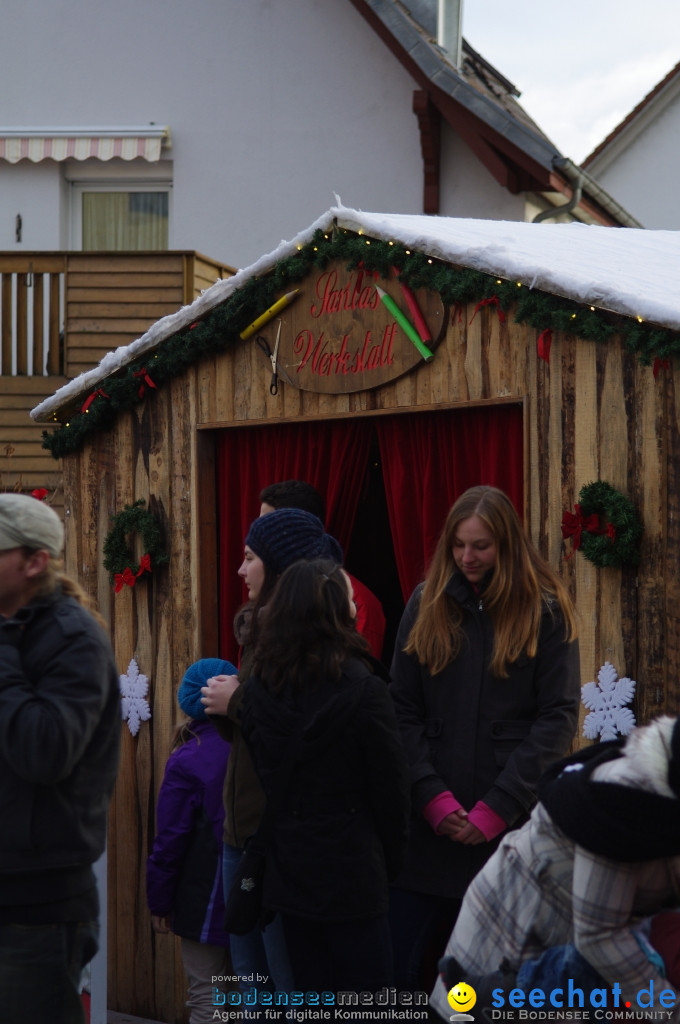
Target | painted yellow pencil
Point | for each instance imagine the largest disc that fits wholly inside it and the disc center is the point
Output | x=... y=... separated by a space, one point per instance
x=269 y=314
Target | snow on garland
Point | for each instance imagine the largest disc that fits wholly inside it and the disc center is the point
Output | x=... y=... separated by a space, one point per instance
x=604 y=526
x=119 y=560
x=606 y=700
x=134 y=706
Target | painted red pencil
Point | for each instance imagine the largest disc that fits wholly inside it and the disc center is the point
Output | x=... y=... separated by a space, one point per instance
x=418 y=318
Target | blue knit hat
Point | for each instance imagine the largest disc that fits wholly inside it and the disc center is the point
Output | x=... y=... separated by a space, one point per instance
x=289 y=535
x=196 y=676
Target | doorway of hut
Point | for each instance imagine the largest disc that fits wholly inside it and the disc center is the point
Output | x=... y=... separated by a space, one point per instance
x=388 y=482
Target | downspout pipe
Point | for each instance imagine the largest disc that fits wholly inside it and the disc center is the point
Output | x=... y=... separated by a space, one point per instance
x=553 y=212
x=594 y=189
x=581 y=179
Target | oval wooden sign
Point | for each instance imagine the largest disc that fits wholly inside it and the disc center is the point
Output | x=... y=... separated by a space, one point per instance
x=339 y=335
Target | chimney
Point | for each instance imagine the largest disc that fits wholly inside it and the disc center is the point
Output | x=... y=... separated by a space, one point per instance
x=450 y=28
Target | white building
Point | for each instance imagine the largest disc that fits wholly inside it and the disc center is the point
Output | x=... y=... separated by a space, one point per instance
x=637 y=162
x=218 y=125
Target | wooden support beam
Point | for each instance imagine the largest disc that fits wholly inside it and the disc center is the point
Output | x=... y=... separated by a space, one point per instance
x=429 y=124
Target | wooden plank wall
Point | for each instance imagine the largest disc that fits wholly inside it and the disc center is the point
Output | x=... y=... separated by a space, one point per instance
x=113 y=298
x=24 y=463
x=205 y=273
x=593 y=412
x=156 y=624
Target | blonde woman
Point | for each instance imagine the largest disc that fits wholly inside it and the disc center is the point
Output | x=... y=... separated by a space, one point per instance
x=486 y=688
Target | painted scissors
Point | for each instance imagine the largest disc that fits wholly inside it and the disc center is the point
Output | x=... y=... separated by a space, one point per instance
x=273 y=358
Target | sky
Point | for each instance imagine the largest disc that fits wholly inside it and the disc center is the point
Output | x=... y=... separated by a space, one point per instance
x=580 y=66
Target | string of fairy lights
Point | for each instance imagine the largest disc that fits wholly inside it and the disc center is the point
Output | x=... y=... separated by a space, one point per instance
x=225 y=324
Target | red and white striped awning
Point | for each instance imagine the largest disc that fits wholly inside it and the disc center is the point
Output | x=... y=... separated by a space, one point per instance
x=38 y=144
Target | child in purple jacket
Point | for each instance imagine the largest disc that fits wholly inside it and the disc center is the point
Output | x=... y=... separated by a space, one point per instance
x=184 y=871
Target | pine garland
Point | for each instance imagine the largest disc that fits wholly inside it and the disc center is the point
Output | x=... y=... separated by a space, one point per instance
x=222 y=325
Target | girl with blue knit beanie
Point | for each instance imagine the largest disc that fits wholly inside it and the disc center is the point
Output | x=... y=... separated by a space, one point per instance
x=184 y=871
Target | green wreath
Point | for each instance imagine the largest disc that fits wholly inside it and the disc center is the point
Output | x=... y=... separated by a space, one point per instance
x=605 y=526
x=119 y=560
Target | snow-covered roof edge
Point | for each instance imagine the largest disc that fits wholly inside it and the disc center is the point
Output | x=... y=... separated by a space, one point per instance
x=174 y=322
x=626 y=270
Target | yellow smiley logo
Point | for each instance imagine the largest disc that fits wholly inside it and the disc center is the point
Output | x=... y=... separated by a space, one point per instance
x=462 y=997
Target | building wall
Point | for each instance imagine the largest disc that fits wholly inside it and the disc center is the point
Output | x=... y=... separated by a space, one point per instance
x=34 y=191
x=274 y=109
x=639 y=167
x=468 y=189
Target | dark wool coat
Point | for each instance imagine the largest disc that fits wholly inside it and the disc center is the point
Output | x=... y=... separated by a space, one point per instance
x=477 y=736
x=340 y=833
x=60 y=731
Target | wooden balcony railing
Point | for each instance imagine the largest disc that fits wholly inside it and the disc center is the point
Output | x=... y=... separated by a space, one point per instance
x=60 y=313
x=31 y=314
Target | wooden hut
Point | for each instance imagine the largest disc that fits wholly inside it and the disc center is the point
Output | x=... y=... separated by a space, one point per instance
x=532 y=356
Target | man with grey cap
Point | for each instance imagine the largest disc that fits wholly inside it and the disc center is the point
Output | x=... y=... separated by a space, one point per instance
x=59 y=743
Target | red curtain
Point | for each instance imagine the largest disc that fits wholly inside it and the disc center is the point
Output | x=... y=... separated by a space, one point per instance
x=332 y=455
x=429 y=459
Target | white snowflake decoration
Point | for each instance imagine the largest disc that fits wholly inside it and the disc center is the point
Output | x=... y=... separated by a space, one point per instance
x=608 y=717
x=134 y=705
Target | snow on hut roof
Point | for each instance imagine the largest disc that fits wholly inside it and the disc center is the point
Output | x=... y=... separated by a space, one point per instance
x=631 y=271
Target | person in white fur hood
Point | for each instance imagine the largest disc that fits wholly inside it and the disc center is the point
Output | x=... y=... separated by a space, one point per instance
x=556 y=911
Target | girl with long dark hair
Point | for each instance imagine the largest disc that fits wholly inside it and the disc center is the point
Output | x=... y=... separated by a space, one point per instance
x=339 y=833
x=272 y=543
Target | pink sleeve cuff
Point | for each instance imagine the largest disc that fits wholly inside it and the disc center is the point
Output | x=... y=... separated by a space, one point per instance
x=437 y=809
x=487 y=821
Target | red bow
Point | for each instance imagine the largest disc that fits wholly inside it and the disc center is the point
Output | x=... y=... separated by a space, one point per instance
x=128 y=578
x=144 y=565
x=660 y=364
x=88 y=401
x=40 y=493
x=573 y=524
x=146 y=380
x=543 y=344
x=493 y=301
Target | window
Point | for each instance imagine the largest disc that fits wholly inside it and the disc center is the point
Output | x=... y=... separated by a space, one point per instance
x=124 y=220
x=119 y=206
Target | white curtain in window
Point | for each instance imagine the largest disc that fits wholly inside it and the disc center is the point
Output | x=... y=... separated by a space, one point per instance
x=125 y=220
